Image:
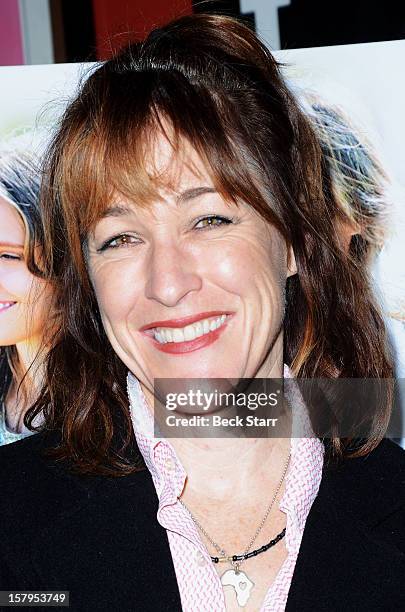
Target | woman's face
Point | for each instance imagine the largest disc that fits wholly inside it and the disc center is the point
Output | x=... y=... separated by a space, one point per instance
x=152 y=267
x=24 y=299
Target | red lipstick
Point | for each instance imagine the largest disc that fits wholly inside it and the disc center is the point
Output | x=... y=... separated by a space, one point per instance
x=189 y=345
x=183 y=321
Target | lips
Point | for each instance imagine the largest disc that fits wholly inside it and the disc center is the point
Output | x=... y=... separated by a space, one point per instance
x=190 y=345
x=183 y=321
x=6 y=305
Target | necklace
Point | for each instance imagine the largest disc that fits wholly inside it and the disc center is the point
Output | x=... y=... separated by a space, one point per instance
x=234 y=577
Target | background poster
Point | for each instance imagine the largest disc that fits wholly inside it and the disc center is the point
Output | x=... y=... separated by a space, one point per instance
x=363 y=82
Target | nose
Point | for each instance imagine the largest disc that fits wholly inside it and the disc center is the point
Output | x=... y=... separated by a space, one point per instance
x=171 y=274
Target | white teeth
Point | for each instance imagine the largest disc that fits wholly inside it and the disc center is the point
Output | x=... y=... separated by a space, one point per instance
x=177 y=335
x=167 y=334
x=198 y=329
x=190 y=332
x=5 y=305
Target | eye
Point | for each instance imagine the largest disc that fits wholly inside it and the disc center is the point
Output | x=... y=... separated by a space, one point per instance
x=213 y=221
x=11 y=256
x=121 y=241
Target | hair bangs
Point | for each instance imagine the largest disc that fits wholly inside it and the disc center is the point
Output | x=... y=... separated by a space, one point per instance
x=114 y=155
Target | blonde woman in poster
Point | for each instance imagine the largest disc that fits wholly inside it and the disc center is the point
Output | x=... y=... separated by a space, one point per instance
x=26 y=319
x=370 y=203
x=192 y=234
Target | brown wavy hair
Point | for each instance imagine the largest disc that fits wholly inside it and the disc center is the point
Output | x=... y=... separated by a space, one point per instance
x=212 y=80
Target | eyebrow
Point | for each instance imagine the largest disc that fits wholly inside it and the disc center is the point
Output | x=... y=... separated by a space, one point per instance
x=11 y=244
x=119 y=210
x=194 y=192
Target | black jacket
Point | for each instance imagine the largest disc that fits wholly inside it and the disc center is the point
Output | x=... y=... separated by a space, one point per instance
x=99 y=538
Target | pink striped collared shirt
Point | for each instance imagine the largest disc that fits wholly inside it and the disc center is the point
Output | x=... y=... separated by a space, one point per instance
x=199 y=584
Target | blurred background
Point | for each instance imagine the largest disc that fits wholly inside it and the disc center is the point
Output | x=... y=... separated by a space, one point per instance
x=60 y=31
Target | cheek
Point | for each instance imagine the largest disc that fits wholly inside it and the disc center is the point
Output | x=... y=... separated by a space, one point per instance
x=33 y=311
x=254 y=266
x=233 y=266
x=17 y=282
x=117 y=287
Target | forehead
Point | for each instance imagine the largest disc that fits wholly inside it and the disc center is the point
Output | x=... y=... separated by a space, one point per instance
x=175 y=171
x=155 y=163
x=173 y=163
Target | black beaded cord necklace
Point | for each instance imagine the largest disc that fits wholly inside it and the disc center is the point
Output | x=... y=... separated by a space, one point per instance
x=234 y=577
x=254 y=553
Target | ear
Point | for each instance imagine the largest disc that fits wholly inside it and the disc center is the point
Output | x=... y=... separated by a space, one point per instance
x=291 y=263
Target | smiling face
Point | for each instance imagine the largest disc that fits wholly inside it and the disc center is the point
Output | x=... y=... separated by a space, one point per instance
x=193 y=285
x=24 y=298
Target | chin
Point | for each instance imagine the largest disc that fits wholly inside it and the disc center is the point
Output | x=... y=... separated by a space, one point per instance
x=201 y=372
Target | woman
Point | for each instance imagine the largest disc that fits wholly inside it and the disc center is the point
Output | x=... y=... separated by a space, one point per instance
x=360 y=182
x=25 y=298
x=190 y=227
x=366 y=199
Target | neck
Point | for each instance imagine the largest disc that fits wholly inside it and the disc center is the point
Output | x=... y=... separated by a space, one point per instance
x=233 y=469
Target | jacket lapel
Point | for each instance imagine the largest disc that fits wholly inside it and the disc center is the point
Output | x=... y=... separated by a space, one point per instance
x=347 y=559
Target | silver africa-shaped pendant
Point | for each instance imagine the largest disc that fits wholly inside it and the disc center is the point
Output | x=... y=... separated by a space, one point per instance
x=240 y=582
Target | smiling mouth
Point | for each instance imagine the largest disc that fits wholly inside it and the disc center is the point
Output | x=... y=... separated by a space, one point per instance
x=177 y=335
x=6 y=305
